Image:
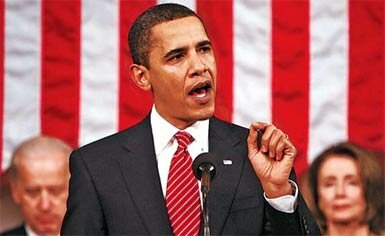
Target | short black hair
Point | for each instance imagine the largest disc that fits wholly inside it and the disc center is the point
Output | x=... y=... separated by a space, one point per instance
x=139 y=37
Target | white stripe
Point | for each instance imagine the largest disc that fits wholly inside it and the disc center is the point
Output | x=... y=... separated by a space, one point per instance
x=180 y=205
x=329 y=74
x=252 y=57
x=182 y=185
x=178 y=180
x=188 y=3
x=179 y=162
x=99 y=70
x=22 y=73
x=182 y=143
x=194 y=227
x=186 y=225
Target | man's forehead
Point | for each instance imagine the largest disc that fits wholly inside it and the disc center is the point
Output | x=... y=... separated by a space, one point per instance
x=44 y=161
x=183 y=21
x=188 y=29
x=43 y=173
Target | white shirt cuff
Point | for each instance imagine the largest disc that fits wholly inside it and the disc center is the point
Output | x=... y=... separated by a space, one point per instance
x=286 y=203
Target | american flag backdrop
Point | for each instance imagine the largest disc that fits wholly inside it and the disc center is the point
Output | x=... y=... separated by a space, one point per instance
x=313 y=68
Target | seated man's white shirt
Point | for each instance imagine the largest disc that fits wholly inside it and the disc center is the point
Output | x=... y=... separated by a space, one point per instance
x=29 y=231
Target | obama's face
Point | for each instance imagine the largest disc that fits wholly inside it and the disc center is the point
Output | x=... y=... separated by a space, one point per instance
x=182 y=71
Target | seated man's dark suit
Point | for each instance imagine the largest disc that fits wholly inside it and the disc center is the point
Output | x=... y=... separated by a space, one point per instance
x=15 y=231
x=115 y=189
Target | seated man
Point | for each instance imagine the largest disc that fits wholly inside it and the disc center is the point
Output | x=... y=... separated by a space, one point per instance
x=39 y=179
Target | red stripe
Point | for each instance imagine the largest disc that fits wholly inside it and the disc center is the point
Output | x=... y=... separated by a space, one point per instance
x=60 y=70
x=2 y=26
x=134 y=103
x=366 y=114
x=218 y=19
x=290 y=73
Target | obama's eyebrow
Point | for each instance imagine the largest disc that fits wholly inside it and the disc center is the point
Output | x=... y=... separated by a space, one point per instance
x=177 y=51
x=204 y=43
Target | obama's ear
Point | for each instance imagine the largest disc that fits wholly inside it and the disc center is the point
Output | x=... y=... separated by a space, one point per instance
x=139 y=74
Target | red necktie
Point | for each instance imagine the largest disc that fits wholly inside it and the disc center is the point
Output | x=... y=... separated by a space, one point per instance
x=182 y=194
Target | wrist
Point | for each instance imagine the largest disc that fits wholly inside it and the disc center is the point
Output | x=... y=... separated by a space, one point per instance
x=278 y=190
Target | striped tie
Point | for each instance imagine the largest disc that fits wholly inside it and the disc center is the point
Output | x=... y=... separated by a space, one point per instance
x=182 y=194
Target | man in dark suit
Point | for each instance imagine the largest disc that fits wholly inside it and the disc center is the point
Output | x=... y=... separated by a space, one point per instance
x=39 y=177
x=20 y=230
x=120 y=184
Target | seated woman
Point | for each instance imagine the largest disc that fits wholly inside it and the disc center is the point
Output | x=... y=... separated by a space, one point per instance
x=347 y=191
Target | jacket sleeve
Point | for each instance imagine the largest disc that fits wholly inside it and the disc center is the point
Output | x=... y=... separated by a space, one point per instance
x=84 y=214
x=301 y=222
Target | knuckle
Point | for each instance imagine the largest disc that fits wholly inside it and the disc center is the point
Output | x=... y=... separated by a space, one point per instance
x=264 y=139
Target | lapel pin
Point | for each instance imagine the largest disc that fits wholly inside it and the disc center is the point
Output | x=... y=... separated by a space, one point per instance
x=227 y=162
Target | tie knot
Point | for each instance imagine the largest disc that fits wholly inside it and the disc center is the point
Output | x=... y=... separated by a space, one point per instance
x=183 y=138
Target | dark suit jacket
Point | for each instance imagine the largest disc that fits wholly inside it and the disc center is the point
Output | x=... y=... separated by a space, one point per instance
x=115 y=189
x=16 y=231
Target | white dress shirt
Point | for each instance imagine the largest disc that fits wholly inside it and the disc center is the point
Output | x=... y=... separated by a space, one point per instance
x=29 y=230
x=166 y=145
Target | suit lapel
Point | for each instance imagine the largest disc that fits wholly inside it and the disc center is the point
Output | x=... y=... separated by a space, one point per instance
x=227 y=149
x=140 y=172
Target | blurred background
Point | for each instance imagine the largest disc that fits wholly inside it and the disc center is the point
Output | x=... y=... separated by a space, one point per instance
x=313 y=68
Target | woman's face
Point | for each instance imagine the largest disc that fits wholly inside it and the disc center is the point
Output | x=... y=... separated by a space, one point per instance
x=340 y=190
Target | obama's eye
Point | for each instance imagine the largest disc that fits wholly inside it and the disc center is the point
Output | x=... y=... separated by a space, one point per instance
x=205 y=49
x=176 y=57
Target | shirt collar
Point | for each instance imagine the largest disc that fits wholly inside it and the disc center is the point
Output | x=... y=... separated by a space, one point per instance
x=164 y=132
x=29 y=231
